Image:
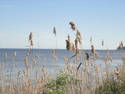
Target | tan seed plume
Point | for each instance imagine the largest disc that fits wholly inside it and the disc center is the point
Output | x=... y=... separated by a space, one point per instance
x=92 y=49
x=121 y=44
x=69 y=44
x=79 y=37
x=31 y=38
x=72 y=25
x=54 y=31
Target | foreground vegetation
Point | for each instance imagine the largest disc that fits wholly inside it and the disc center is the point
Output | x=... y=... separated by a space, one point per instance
x=80 y=75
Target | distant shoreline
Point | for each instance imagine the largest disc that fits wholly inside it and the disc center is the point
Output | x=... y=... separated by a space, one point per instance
x=54 y=49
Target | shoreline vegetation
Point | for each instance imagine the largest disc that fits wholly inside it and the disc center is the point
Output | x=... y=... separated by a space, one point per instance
x=80 y=75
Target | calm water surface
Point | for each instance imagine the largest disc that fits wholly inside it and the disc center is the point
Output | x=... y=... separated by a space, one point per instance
x=7 y=59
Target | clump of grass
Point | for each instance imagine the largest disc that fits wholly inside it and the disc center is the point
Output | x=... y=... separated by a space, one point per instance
x=60 y=85
x=111 y=87
x=114 y=84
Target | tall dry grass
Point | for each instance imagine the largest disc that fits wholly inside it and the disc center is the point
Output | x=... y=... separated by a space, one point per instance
x=83 y=76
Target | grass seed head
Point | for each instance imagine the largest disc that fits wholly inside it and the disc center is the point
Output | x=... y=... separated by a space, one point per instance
x=72 y=25
x=69 y=44
x=79 y=37
x=92 y=49
x=54 y=31
x=31 y=36
x=121 y=44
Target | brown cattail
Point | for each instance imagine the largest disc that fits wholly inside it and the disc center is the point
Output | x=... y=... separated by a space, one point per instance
x=54 y=31
x=72 y=25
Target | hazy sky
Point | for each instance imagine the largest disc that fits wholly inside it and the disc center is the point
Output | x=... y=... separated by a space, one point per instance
x=101 y=19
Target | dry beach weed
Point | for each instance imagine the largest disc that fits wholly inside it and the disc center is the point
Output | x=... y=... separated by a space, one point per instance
x=79 y=75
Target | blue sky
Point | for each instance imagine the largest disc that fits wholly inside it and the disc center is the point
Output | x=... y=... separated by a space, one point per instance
x=101 y=19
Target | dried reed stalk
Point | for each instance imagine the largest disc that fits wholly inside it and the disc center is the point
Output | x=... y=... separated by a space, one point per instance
x=31 y=39
x=31 y=36
x=69 y=44
x=54 y=31
x=93 y=49
x=121 y=44
x=79 y=37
